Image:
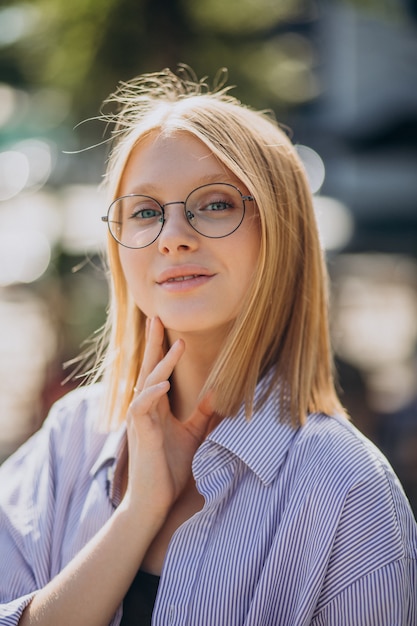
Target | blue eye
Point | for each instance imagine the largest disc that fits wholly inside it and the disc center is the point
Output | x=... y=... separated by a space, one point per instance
x=146 y=214
x=220 y=205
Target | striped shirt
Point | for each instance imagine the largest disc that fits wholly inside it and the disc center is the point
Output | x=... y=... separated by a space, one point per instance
x=300 y=526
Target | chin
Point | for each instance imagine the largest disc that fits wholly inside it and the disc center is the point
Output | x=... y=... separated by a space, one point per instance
x=182 y=328
x=194 y=326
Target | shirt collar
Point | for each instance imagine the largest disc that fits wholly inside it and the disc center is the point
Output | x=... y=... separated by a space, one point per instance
x=261 y=442
x=113 y=457
x=112 y=449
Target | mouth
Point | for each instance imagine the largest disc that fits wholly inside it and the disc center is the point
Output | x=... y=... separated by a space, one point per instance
x=179 y=279
x=181 y=274
x=182 y=279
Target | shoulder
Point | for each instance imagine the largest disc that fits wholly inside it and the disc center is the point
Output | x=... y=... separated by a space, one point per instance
x=347 y=474
x=333 y=445
x=83 y=401
x=71 y=425
x=332 y=465
x=79 y=409
x=56 y=462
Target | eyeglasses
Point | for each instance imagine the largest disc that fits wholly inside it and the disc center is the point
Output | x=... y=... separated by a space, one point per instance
x=214 y=210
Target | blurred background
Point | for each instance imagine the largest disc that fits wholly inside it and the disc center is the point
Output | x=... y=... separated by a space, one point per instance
x=341 y=74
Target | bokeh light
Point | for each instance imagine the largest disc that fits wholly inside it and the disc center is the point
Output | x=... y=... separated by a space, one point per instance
x=314 y=166
x=17 y=22
x=24 y=256
x=335 y=223
x=14 y=173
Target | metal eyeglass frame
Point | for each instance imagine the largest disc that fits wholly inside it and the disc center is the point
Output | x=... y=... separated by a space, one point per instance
x=188 y=214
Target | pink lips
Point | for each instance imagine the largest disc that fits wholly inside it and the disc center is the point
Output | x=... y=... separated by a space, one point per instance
x=183 y=277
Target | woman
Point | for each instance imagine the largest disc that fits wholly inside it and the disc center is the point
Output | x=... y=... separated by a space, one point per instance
x=214 y=464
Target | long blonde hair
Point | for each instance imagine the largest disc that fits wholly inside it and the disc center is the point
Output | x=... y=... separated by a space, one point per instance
x=283 y=324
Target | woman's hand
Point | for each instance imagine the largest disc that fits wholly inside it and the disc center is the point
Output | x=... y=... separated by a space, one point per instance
x=161 y=448
x=90 y=588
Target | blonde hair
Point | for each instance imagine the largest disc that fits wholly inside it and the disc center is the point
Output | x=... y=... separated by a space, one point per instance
x=283 y=324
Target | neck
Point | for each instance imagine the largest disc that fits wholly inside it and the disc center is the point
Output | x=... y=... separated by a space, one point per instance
x=192 y=371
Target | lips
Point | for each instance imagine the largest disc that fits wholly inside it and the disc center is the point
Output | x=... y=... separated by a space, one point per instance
x=178 y=279
x=182 y=273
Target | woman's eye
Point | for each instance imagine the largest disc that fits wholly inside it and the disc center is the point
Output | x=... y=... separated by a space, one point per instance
x=219 y=205
x=145 y=214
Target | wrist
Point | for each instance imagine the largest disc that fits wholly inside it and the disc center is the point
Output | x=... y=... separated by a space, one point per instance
x=149 y=513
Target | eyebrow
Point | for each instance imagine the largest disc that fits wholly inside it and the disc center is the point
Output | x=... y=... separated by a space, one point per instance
x=152 y=189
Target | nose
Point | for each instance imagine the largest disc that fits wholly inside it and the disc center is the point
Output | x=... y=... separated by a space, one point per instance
x=177 y=235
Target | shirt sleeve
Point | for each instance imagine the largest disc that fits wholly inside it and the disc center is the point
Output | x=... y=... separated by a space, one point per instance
x=381 y=598
x=27 y=508
x=11 y=612
x=372 y=572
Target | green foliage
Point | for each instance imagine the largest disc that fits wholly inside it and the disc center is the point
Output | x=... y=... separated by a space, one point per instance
x=86 y=46
x=244 y=16
x=83 y=48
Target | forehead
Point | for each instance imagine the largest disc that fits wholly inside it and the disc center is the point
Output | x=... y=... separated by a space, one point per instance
x=174 y=161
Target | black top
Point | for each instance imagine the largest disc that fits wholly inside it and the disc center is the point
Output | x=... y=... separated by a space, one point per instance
x=139 y=600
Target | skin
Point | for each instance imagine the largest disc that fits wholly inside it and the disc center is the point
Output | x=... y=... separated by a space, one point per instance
x=89 y=589
x=165 y=423
x=198 y=311
x=169 y=168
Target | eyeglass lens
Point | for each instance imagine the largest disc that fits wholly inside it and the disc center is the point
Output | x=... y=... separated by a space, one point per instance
x=214 y=210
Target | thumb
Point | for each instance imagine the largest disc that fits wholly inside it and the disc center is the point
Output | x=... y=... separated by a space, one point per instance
x=203 y=419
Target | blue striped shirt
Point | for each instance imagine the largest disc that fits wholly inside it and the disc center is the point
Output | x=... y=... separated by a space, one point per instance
x=300 y=526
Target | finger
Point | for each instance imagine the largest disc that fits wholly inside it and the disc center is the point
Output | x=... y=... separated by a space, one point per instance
x=203 y=419
x=145 y=402
x=165 y=367
x=153 y=350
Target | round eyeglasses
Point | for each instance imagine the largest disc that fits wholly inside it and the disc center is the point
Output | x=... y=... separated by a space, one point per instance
x=215 y=210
